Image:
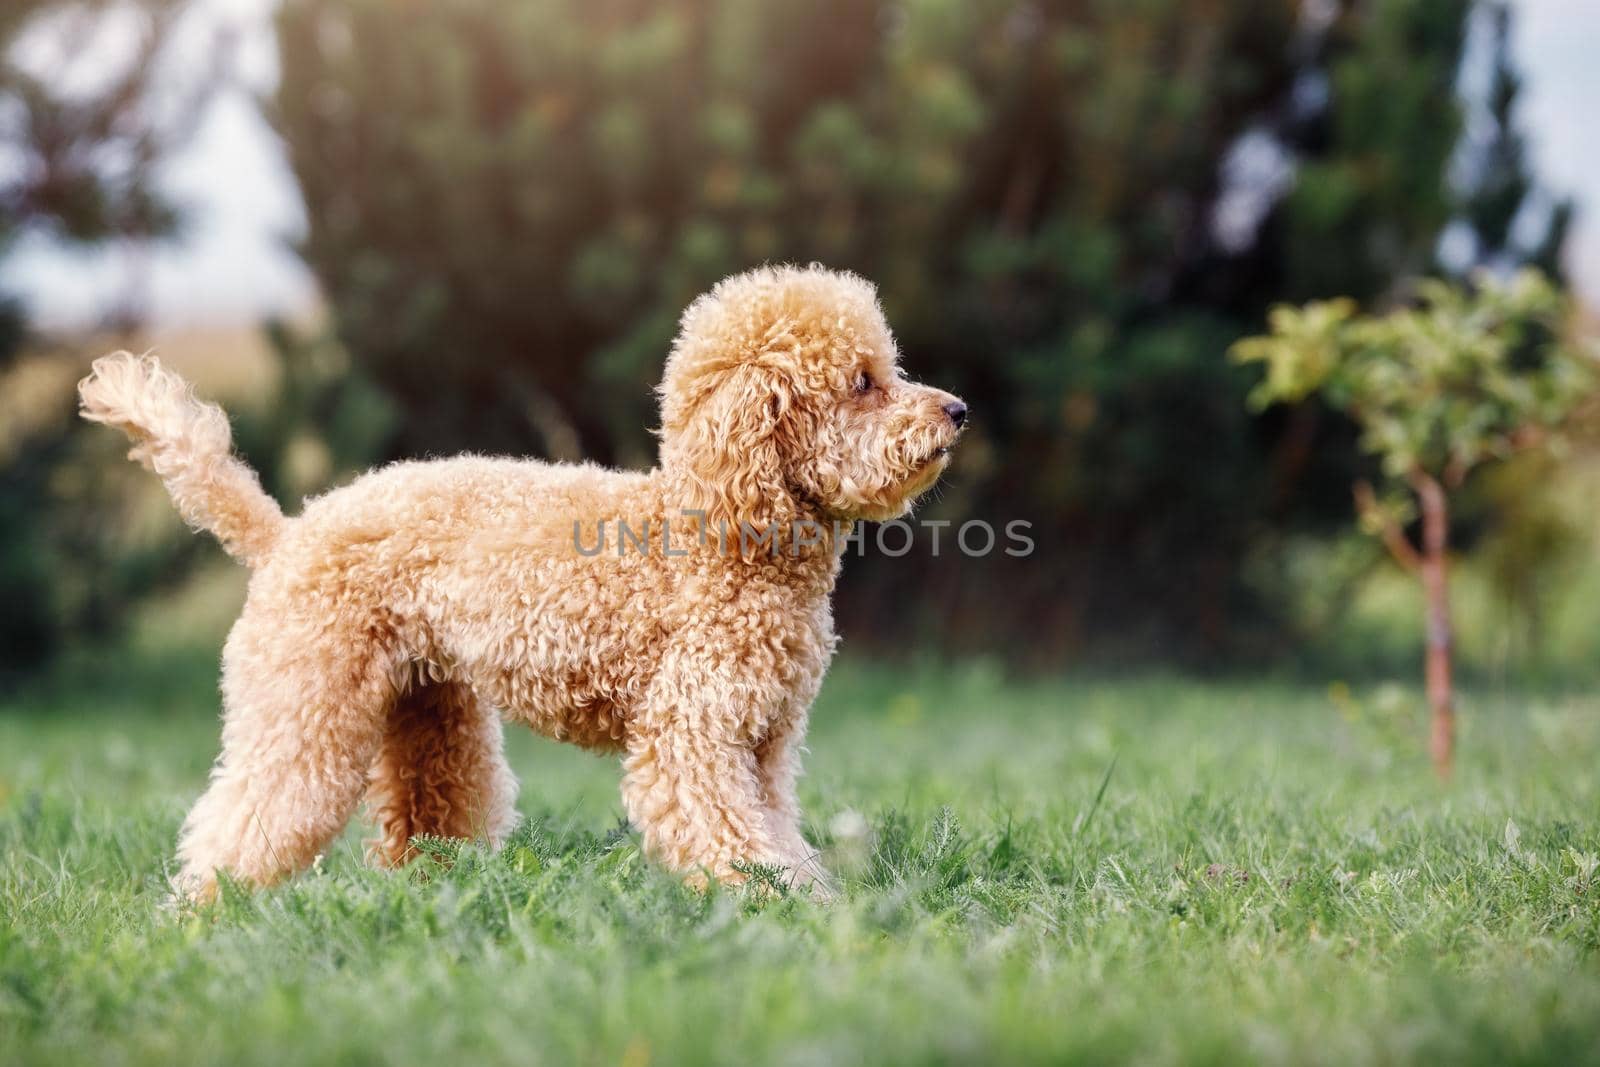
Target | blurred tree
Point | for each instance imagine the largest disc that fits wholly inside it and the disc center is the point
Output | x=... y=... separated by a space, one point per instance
x=83 y=139
x=1461 y=379
x=87 y=118
x=1496 y=186
x=325 y=423
x=1072 y=208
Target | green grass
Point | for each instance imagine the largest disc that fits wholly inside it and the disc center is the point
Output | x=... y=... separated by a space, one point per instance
x=1262 y=877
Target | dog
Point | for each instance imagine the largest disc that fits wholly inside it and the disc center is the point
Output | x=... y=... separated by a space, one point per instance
x=393 y=625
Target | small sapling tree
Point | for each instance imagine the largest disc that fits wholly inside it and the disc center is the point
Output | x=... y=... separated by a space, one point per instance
x=1463 y=377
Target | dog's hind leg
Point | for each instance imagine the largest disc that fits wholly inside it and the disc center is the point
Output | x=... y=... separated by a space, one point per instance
x=306 y=700
x=441 y=771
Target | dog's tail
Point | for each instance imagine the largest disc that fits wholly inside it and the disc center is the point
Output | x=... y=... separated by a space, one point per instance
x=187 y=442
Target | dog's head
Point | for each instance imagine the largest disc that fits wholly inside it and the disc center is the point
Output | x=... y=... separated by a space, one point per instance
x=783 y=398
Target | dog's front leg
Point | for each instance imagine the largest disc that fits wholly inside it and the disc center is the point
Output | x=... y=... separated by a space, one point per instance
x=777 y=768
x=696 y=801
x=691 y=785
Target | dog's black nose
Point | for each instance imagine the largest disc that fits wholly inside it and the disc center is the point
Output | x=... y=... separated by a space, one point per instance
x=957 y=412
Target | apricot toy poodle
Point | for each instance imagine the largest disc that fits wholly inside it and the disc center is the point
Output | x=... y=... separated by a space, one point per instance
x=679 y=617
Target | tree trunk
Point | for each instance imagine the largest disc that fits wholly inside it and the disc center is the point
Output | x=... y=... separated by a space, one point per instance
x=1434 y=570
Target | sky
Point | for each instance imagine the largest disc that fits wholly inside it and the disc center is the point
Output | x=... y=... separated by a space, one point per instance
x=235 y=262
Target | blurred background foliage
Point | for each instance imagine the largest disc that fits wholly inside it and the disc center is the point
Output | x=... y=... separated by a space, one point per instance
x=80 y=166
x=1072 y=210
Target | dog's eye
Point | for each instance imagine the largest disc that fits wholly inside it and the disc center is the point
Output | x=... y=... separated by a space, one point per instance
x=863 y=384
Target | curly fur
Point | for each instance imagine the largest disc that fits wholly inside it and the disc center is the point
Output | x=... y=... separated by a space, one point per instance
x=189 y=445
x=393 y=623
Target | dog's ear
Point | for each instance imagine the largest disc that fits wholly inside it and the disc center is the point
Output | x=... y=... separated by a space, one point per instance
x=732 y=446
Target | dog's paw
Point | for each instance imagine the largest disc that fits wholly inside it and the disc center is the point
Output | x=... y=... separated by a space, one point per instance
x=807 y=877
x=189 y=890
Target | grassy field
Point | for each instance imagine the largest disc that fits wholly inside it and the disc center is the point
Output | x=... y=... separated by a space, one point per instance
x=1164 y=870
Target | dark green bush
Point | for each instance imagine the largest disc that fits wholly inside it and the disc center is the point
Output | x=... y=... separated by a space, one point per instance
x=510 y=200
